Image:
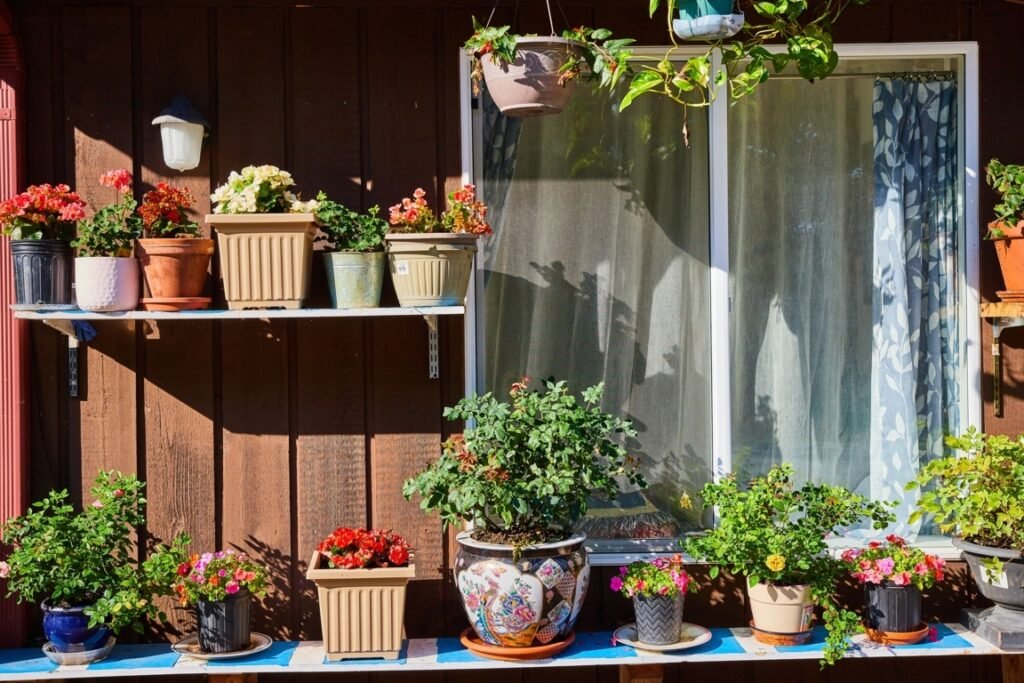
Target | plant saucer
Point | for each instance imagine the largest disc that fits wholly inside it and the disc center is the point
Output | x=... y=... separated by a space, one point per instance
x=474 y=644
x=190 y=646
x=691 y=635
x=78 y=658
x=776 y=639
x=897 y=637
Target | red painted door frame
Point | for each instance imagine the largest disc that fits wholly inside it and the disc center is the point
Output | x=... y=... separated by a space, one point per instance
x=14 y=426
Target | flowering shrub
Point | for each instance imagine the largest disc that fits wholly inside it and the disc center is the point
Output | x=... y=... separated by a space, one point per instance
x=347 y=548
x=212 y=577
x=893 y=562
x=661 y=576
x=342 y=229
x=42 y=212
x=163 y=212
x=465 y=214
x=259 y=189
x=112 y=230
x=86 y=557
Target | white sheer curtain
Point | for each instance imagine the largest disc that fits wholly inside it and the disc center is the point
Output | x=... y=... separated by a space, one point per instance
x=598 y=271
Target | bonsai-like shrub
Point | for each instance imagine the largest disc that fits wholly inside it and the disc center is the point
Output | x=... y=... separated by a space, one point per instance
x=86 y=557
x=1008 y=181
x=163 y=212
x=42 y=212
x=466 y=214
x=977 y=497
x=212 y=577
x=524 y=470
x=343 y=229
x=348 y=548
x=894 y=562
x=112 y=230
x=775 y=533
x=259 y=189
x=661 y=576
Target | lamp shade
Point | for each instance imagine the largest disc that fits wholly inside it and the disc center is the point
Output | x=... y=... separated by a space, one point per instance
x=182 y=129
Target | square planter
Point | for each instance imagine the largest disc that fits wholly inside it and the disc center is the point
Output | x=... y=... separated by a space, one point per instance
x=265 y=258
x=361 y=610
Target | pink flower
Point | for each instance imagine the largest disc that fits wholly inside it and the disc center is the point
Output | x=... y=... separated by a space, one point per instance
x=616 y=584
x=5 y=570
x=120 y=180
x=872 y=576
x=885 y=565
x=97 y=504
x=231 y=588
x=901 y=579
x=118 y=493
x=921 y=568
x=222 y=573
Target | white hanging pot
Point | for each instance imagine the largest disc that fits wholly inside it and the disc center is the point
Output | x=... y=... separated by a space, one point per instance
x=106 y=283
x=710 y=27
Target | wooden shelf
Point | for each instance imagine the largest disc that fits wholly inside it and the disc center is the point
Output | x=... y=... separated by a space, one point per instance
x=250 y=314
x=1002 y=310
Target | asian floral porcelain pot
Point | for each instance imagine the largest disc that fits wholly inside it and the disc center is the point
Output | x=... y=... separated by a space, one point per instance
x=526 y=603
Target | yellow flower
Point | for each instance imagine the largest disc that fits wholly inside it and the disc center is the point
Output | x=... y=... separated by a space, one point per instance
x=775 y=562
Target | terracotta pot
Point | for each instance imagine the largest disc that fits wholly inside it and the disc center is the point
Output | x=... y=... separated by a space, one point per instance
x=172 y=267
x=431 y=269
x=529 y=86
x=781 y=609
x=265 y=258
x=525 y=603
x=361 y=610
x=106 y=283
x=1010 y=250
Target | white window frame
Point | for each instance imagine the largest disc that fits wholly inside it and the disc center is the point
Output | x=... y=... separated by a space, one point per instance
x=721 y=421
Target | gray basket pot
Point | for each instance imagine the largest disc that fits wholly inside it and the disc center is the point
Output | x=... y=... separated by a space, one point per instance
x=659 y=619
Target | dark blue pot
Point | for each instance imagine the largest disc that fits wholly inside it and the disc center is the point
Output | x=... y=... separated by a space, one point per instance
x=67 y=628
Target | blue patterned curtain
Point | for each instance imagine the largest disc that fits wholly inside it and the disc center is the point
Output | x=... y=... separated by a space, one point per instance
x=915 y=382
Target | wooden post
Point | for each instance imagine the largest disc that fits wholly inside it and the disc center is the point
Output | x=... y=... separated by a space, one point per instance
x=1013 y=668
x=641 y=673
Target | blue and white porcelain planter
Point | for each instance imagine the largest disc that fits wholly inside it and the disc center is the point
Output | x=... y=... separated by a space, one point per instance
x=68 y=630
x=530 y=602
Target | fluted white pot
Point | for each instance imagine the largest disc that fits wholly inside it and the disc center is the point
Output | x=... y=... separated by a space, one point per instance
x=106 y=283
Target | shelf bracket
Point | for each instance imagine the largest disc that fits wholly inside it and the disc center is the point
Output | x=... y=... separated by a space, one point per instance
x=433 y=354
x=998 y=325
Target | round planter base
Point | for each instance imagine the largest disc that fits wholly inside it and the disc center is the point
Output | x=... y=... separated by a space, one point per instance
x=897 y=638
x=780 y=639
x=78 y=658
x=472 y=642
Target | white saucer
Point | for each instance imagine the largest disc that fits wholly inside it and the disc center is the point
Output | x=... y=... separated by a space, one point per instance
x=692 y=635
x=190 y=646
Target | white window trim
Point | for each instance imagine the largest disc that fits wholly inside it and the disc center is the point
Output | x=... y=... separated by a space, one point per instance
x=721 y=421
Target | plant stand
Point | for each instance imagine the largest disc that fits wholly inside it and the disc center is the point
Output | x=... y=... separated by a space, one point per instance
x=1001 y=316
x=1002 y=627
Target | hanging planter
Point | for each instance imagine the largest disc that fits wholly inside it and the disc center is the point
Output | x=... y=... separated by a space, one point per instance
x=532 y=84
x=707 y=20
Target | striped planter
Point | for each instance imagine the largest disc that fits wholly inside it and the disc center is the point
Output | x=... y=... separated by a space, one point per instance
x=659 y=619
x=891 y=608
x=361 y=610
x=225 y=625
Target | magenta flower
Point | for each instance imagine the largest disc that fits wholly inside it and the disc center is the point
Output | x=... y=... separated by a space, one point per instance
x=231 y=588
x=616 y=584
x=885 y=566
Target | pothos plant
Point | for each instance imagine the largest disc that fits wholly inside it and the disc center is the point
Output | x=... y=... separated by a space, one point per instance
x=523 y=472
x=773 y=532
x=113 y=228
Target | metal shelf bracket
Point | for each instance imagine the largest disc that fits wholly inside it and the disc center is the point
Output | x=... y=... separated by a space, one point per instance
x=433 y=354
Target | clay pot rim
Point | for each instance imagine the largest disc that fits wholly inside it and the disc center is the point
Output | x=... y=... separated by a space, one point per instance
x=985 y=550
x=1010 y=232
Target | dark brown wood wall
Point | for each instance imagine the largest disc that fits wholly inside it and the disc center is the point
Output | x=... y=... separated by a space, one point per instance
x=264 y=436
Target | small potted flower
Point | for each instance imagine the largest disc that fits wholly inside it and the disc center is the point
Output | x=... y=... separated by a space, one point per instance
x=40 y=223
x=106 y=274
x=221 y=586
x=172 y=251
x=431 y=259
x=82 y=566
x=893 y=575
x=658 y=589
x=265 y=235
x=1007 y=230
x=361 y=577
x=353 y=253
x=774 y=533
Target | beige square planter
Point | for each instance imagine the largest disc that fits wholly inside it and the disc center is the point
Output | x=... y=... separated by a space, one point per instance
x=361 y=610
x=265 y=258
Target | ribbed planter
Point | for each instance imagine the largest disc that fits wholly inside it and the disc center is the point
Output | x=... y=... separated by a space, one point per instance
x=431 y=269
x=106 y=283
x=1010 y=250
x=781 y=609
x=530 y=86
x=265 y=258
x=529 y=602
x=362 y=611
x=225 y=625
x=659 y=619
x=891 y=608
x=68 y=630
x=174 y=268
x=42 y=273
x=355 y=279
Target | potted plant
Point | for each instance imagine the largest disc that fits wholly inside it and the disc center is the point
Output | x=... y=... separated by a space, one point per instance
x=40 y=223
x=707 y=20
x=361 y=577
x=522 y=475
x=893 y=574
x=83 y=566
x=172 y=251
x=106 y=275
x=976 y=498
x=774 y=533
x=353 y=253
x=657 y=588
x=221 y=585
x=1007 y=230
x=431 y=260
x=266 y=239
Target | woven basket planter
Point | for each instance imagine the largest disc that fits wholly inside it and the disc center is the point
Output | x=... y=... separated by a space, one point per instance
x=361 y=610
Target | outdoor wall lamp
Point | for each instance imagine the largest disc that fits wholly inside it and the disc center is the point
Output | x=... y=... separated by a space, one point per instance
x=182 y=129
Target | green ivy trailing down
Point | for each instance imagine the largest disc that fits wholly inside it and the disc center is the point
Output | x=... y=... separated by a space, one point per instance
x=1008 y=181
x=774 y=532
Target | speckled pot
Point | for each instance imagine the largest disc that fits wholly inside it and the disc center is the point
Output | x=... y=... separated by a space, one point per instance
x=532 y=602
x=106 y=283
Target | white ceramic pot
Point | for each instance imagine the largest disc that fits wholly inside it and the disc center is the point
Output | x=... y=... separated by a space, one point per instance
x=781 y=609
x=106 y=283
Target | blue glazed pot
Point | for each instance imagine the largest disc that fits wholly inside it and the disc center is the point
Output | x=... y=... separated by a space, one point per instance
x=67 y=628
